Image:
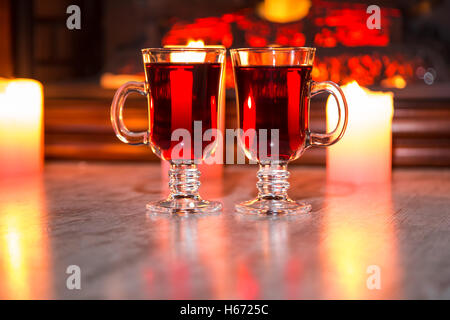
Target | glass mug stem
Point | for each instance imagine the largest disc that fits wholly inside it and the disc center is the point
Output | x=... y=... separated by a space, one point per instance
x=184 y=197
x=272 y=181
x=184 y=181
x=272 y=196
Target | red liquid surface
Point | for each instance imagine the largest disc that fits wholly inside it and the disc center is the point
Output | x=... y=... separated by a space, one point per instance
x=274 y=98
x=181 y=93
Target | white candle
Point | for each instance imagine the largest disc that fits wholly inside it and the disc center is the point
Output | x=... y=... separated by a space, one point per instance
x=364 y=154
x=21 y=129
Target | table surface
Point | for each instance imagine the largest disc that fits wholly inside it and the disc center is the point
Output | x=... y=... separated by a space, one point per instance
x=359 y=242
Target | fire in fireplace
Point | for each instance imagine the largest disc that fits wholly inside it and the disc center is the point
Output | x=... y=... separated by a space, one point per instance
x=349 y=50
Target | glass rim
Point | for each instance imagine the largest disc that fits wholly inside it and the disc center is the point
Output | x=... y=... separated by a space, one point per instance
x=268 y=49
x=180 y=48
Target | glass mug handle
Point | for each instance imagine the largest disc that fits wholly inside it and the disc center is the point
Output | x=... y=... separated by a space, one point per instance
x=122 y=132
x=327 y=139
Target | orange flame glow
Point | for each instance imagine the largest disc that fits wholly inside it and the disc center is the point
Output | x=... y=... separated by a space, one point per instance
x=188 y=56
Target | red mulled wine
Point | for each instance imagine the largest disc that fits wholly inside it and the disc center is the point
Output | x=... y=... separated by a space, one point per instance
x=180 y=94
x=274 y=97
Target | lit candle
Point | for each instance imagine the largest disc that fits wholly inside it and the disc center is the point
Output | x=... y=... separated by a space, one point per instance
x=364 y=154
x=21 y=129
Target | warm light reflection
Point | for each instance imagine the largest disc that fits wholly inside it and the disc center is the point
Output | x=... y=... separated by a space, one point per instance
x=243 y=57
x=283 y=268
x=180 y=248
x=24 y=268
x=189 y=56
x=195 y=44
x=247 y=287
x=21 y=131
x=213 y=253
x=193 y=240
x=396 y=81
x=358 y=232
x=212 y=243
x=365 y=151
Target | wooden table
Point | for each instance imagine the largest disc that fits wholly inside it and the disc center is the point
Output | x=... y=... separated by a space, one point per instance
x=92 y=215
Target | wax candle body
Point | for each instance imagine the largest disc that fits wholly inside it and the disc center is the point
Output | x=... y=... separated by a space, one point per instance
x=364 y=154
x=21 y=130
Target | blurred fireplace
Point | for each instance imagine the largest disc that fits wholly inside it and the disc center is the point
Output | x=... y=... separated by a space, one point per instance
x=347 y=49
x=408 y=56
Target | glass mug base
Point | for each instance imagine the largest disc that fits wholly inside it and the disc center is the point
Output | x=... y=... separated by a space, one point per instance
x=184 y=198
x=272 y=207
x=272 y=196
x=184 y=206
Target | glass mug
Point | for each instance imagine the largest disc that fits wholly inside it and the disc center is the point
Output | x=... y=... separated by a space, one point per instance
x=273 y=91
x=184 y=88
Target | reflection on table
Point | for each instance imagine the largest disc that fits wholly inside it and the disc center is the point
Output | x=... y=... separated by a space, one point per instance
x=93 y=216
